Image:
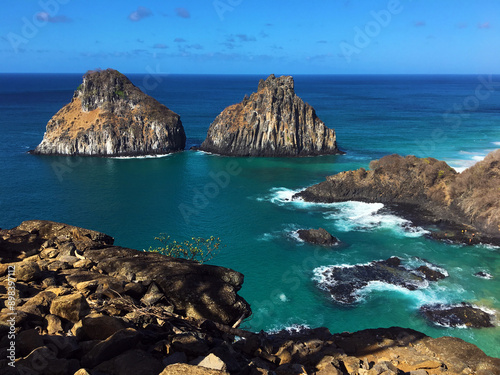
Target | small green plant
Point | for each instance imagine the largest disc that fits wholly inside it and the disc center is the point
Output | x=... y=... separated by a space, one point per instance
x=120 y=93
x=198 y=249
x=440 y=173
x=79 y=88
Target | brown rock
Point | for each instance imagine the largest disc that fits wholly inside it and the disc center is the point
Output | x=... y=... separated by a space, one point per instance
x=27 y=341
x=71 y=307
x=274 y=121
x=108 y=115
x=27 y=271
x=39 y=304
x=132 y=362
x=54 y=325
x=189 y=343
x=121 y=341
x=184 y=369
x=100 y=327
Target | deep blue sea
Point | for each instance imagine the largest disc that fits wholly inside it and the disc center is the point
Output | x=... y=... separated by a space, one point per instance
x=454 y=118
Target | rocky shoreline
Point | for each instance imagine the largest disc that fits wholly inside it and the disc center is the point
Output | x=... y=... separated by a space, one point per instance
x=457 y=207
x=72 y=303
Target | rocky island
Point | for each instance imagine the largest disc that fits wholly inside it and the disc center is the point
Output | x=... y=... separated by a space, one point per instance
x=464 y=206
x=273 y=121
x=109 y=116
x=73 y=303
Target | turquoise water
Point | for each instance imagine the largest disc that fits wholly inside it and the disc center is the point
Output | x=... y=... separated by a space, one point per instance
x=245 y=201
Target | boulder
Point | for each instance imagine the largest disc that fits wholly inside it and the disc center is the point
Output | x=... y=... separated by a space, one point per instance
x=109 y=116
x=274 y=121
x=185 y=369
x=71 y=307
x=317 y=236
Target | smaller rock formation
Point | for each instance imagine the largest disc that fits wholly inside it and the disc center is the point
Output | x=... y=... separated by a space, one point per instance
x=465 y=206
x=463 y=314
x=317 y=236
x=274 y=121
x=109 y=116
x=345 y=282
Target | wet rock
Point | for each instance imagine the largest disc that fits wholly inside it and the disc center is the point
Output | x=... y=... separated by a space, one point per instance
x=483 y=275
x=317 y=236
x=431 y=274
x=463 y=314
x=344 y=283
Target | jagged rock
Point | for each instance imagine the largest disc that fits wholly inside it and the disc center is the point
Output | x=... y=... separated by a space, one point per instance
x=28 y=271
x=54 y=325
x=121 y=341
x=466 y=206
x=344 y=282
x=463 y=314
x=100 y=327
x=211 y=361
x=109 y=116
x=184 y=369
x=71 y=307
x=132 y=362
x=317 y=236
x=274 y=121
x=430 y=274
x=39 y=304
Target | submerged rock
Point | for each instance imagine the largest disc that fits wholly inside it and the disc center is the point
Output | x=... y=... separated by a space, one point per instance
x=345 y=282
x=274 y=121
x=465 y=206
x=109 y=116
x=463 y=314
x=317 y=236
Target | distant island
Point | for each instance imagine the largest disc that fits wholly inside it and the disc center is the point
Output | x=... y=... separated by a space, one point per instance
x=272 y=122
x=109 y=116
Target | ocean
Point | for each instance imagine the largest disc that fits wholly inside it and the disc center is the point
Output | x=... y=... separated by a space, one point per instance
x=246 y=201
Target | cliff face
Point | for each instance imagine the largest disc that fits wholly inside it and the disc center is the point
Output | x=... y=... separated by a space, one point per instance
x=274 y=121
x=109 y=116
x=76 y=304
x=471 y=198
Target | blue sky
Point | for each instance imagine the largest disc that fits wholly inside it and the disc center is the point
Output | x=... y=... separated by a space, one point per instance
x=251 y=36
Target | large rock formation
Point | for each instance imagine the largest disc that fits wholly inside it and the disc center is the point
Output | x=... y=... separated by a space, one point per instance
x=274 y=121
x=465 y=205
x=72 y=303
x=109 y=116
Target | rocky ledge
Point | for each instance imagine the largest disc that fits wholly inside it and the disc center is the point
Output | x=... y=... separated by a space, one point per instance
x=464 y=206
x=462 y=314
x=72 y=303
x=109 y=116
x=274 y=121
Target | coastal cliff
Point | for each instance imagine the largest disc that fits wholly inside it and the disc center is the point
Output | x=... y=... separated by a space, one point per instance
x=274 y=121
x=72 y=303
x=426 y=189
x=109 y=116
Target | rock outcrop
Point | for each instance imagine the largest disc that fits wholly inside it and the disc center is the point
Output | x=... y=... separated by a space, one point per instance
x=73 y=303
x=466 y=205
x=462 y=314
x=317 y=236
x=274 y=121
x=109 y=116
x=344 y=283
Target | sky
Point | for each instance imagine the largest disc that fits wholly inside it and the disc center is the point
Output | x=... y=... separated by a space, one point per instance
x=251 y=36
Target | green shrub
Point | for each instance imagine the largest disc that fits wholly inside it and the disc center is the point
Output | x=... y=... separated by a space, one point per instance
x=198 y=249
